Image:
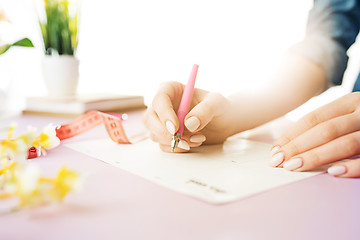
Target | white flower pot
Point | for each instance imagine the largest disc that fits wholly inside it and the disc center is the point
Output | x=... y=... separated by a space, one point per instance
x=61 y=75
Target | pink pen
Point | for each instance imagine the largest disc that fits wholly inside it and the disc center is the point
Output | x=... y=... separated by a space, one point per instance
x=184 y=106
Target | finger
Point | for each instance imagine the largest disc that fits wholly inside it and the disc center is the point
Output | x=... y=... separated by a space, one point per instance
x=197 y=138
x=195 y=145
x=194 y=140
x=342 y=106
x=168 y=97
x=323 y=132
x=211 y=106
x=341 y=148
x=187 y=141
x=158 y=132
x=183 y=144
x=179 y=149
x=348 y=169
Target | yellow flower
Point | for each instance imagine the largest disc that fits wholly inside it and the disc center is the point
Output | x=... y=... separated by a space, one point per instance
x=7 y=172
x=18 y=145
x=32 y=189
x=11 y=130
x=7 y=168
x=16 y=149
x=25 y=186
x=24 y=181
x=13 y=149
x=47 y=139
x=63 y=183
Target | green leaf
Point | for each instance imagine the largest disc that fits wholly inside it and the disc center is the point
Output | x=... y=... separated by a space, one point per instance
x=25 y=42
x=4 y=48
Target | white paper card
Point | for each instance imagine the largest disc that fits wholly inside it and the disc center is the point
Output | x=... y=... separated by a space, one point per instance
x=217 y=173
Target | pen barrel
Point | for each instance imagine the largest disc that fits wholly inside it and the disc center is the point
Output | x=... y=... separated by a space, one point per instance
x=187 y=98
x=181 y=116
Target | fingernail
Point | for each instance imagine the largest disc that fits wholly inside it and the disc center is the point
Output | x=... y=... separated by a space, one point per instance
x=198 y=138
x=274 y=150
x=192 y=124
x=276 y=159
x=293 y=164
x=183 y=145
x=170 y=127
x=336 y=170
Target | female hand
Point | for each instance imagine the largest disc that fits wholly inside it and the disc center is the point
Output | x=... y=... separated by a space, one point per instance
x=206 y=122
x=327 y=135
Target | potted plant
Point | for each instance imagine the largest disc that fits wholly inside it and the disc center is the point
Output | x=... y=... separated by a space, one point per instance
x=59 y=28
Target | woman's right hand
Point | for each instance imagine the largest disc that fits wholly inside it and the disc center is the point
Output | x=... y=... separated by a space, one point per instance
x=207 y=122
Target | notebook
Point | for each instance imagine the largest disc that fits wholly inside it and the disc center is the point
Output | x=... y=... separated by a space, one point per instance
x=80 y=104
x=215 y=173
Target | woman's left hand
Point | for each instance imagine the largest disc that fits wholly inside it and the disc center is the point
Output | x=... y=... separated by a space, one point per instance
x=327 y=135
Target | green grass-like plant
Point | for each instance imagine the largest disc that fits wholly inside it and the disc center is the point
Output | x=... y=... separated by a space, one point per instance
x=59 y=29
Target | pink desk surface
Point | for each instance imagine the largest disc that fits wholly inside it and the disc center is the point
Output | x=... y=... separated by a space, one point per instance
x=115 y=204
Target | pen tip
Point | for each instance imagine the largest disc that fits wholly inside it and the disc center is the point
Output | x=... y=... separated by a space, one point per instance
x=173 y=144
x=174 y=141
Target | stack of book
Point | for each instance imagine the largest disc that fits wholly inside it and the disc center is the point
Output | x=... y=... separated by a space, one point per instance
x=78 y=105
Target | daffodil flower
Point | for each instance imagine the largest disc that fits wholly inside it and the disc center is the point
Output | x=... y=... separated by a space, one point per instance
x=65 y=181
x=47 y=139
x=5 y=171
x=24 y=185
x=28 y=189
x=33 y=189
x=24 y=181
x=16 y=149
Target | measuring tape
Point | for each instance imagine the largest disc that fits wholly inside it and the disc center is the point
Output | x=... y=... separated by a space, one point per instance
x=86 y=122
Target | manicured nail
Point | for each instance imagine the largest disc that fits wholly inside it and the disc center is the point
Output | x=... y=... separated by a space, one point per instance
x=293 y=164
x=184 y=145
x=276 y=159
x=197 y=138
x=192 y=124
x=336 y=170
x=274 y=150
x=170 y=127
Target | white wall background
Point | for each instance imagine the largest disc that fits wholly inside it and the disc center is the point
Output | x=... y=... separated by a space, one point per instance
x=130 y=47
